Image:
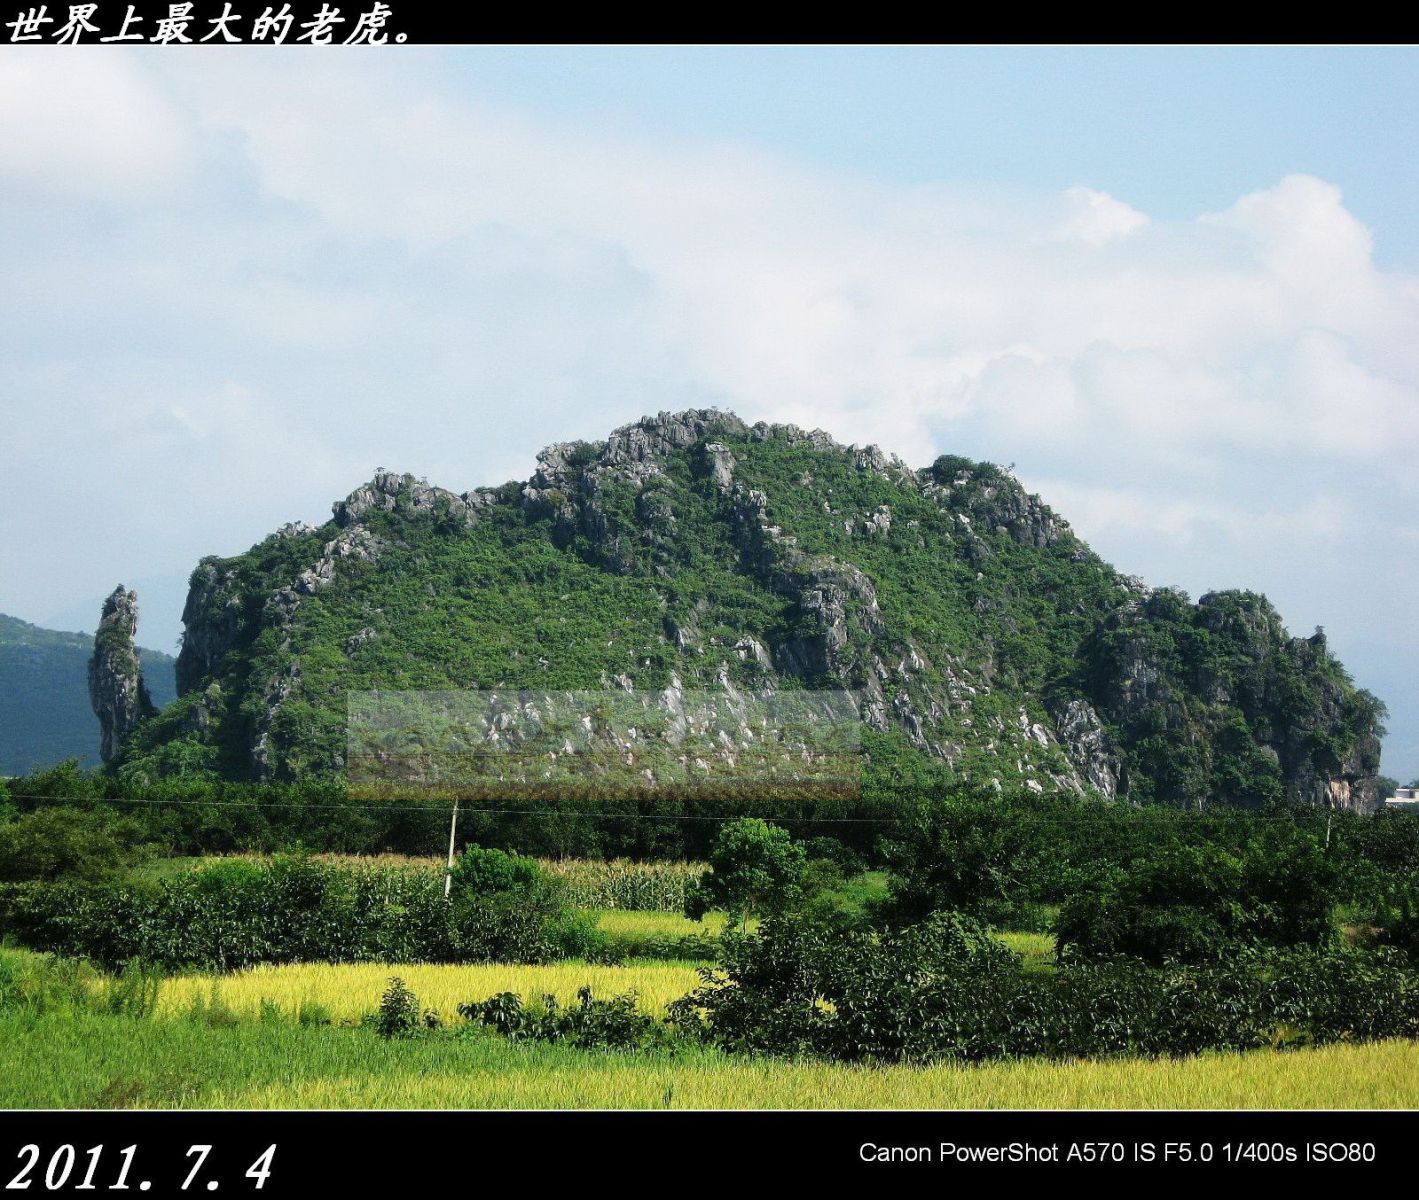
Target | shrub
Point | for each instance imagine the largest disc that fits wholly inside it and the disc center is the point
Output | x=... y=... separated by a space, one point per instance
x=237 y=913
x=973 y=856
x=68 y=843
x=845 y=858
x=483 y=872
x=1198 y=903
x=940 y=991
x=1397 y=918
x=398 y=1013
x=615 y=1024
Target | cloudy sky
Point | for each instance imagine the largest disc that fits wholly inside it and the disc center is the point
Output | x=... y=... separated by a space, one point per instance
x=1177 y=289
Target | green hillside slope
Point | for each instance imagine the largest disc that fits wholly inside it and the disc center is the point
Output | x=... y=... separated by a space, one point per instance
x=692 y=551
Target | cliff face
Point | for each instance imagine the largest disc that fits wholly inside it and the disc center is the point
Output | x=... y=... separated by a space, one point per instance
x=116 y=690
x=692 y=551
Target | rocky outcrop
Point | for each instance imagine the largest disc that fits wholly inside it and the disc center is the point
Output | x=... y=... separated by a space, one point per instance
x=389 y=491
x=1088 y=745
x=211 y=620
x=988 y=499
x=116 y=689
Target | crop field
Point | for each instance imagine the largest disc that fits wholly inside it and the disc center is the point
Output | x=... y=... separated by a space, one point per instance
x=88 y=1060
x=634 y=923
x=347 y=992
x=1036 y=949
x=266 y=983
x=618 y=883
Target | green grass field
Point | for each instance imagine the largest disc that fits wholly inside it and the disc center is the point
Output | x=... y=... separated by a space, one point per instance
x=102 y=1061
x=1036 y=949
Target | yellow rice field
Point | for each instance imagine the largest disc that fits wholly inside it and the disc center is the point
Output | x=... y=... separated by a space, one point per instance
x=348 y=991
x=1378 y=1075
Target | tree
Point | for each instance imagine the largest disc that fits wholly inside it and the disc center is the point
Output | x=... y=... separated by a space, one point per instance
x=68 y=843
x=755 y=868
x=965 y=852
x=1201 y=903
x=487 y=872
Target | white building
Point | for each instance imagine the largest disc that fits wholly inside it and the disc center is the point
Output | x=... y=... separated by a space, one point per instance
x=1405 y=798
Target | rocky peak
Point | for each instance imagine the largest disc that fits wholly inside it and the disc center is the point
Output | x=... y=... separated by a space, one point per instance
x=116 y=689
x=389 y=491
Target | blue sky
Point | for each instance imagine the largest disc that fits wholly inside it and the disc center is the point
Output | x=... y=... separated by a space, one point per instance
x=1177 y=288
x=1172 y=130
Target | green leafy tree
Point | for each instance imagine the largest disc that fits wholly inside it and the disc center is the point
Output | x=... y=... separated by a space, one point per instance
x=1201 y=903
x=68 y=843
x=481 y=871
x=962 y=852
x=755 y=868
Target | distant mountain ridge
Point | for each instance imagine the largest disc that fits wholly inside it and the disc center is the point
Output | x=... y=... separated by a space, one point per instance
x=692 y=550
x=45 y=713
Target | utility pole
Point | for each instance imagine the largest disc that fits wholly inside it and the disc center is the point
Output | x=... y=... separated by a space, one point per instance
x=452 y=830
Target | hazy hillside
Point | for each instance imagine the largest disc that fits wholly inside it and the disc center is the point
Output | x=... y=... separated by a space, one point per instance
x=691 y=551
x=45 y=714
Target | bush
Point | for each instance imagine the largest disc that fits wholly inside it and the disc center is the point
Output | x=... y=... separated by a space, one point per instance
x=602 y=947
x=941 y=991
x=615 y=1024
x=481 y=872
x=973 y=856
x=398 y=1014
x=68 y=843
x=805 y=986
x=1396 y=919
x=238 y=913
x=826 y=849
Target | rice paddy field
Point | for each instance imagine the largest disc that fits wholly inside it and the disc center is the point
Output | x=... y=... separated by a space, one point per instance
x=87 y=1061
x=347 y=992
x=289 y=1037
x=631 y=923
x=237 y=1041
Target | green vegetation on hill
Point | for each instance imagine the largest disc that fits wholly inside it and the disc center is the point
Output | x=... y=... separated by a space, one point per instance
x=45 y=715
x=986 y=642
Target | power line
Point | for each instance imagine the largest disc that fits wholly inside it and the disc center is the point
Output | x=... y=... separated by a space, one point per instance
x=434 y=804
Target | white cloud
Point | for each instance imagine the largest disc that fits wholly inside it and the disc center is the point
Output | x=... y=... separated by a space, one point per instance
x=1133 y=512
x=1096 y=217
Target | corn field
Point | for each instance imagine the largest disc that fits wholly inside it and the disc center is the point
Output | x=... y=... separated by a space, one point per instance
x=622 y=883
